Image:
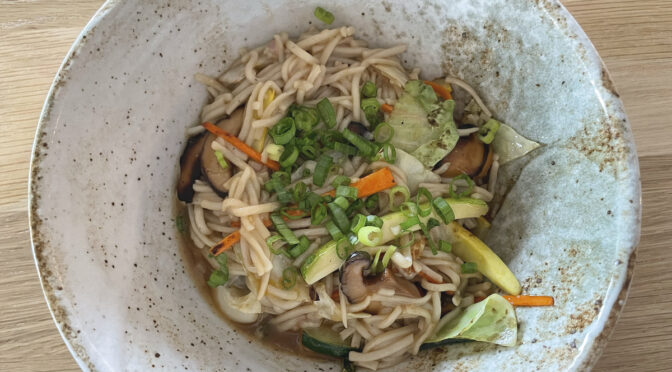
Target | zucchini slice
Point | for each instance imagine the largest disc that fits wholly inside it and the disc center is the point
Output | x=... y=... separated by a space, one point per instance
x=325 y=340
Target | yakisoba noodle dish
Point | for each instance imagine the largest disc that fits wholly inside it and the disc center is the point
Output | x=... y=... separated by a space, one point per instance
x=341 y=199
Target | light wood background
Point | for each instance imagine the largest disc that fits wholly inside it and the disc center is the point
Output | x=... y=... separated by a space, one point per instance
x=633 y=37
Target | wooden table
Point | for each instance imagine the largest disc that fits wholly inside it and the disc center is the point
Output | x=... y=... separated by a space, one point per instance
x=633 y=37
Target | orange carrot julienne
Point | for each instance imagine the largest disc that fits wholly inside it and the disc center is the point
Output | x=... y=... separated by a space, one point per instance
x=525 y=300
x=377 y=181
x=225 y=243
x=440 y=90
x=240 y=145
x=386 y=108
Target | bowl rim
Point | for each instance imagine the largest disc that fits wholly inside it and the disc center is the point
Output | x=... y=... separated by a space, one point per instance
x=586 y=358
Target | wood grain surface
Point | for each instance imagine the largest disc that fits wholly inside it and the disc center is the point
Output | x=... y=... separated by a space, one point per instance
x=633 y=37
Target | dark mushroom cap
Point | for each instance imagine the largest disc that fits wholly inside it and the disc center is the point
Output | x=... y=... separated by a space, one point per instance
x=189 y=168
x=467 y=157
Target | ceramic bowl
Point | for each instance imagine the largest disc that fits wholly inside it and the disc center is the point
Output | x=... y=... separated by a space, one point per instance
x=105 y=161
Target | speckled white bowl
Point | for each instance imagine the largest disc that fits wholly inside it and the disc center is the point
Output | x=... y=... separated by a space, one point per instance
x=105 y=161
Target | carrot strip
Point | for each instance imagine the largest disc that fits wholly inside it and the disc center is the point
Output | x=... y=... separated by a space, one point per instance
x=240 y=145
x=379 y=180
x=225 y=243
x=525 y=300
x=386 y=108
x=442 y=91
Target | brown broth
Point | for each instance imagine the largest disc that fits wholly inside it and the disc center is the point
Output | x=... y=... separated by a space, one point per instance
x=260 y=332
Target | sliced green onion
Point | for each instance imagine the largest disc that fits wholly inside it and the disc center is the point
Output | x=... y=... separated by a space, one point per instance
x=283 y=177
x=299 y=190
x=430 y=241
x=443 y=210
x=339 y=216
x=285 y=197
x=370 y=235
x=470 y=186
x=283 y=131
x=273 y=185
x=372 y=220
x=298 y=249
x=317 y=214
x=357 y=223
x=375 y=262
x=312 y=199
x=330 y=138
x=410 y=222
x=340 y=181
x=289 y=277
x=220 y=159
x=180 y=223
x=333 y=230
x=222 y=261
x=289 y=156
x=388 y=255
x=305 y=173
x=305 y=118
x=341 y=202
x=432 y=223
x=469 y=268
x=283 y=229
x=274 y=151
x=370 y=105
x=409 y=209
x=324 y=15
x=383 y=133
x=389 y=153
x=218 y=277
x=352 y=238
x=371 y=202
x=398 y=195
x=327 y=113
x=444 y=246
x=424 y=193
x=487 y=132
x=345 y=149
x=271 y=240
x=365 y=147
x=354 y=207
x=292 y=216
x=322 y=169
x=309 y=152
x=348 y=192
x=343 y=248
x=369 y=89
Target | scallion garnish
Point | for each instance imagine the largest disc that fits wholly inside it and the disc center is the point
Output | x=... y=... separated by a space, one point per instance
x=309 y=152
x=341 y=202
x=444 y=246
x=305 y=118
x=370 y=105
x=389 y=153
x=398 y=195
x=324 y=15
x=345 y=149
x=409 y=209
x=289 y=277
x=369 y=89
x=327 y=113
x=365 y=147
x=343 y=247
x=292 y=213
x=333 y=230
x=289 y=156
x=410 y=222
x=373 y=220
x=283 y=131
x=340 y=181
x=383 y=133
x=487 y=132
x=443 y=210
x=180 y=224
x=432 y=223
x=282 y=228
x=298 y=249
x=285 y=197
x=371 y=202
x=322 y=169
x=299 y=190
x=218 y=277
x=370 y=235
x=347 y=192
x=338 y=215
x=469 y=268
x=388 y=255
x=318 y=213
x=424 y=197
x=470 y=186
x=305 y=173
x=220 y=159
x=357 y=223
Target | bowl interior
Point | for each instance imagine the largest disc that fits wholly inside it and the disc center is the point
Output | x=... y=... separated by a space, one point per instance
x=106 y=158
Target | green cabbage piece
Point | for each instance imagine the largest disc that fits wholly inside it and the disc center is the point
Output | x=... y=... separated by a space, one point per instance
x=491 y=320
x=510 y=145
x=423 y=125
